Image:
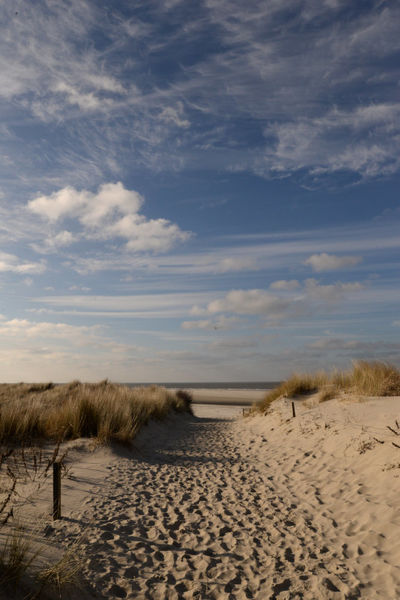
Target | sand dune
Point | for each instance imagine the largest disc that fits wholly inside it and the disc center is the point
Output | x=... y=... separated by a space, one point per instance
x=272 y=507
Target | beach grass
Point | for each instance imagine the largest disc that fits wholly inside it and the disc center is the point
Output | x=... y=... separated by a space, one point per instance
x=45 y=414
x=366 y=378
x=105 y=411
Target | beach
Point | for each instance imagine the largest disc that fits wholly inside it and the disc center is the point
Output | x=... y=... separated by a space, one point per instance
x=231 y=397
x=217 y=506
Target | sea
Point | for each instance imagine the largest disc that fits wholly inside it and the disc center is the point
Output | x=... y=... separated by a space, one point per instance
x=212 y=385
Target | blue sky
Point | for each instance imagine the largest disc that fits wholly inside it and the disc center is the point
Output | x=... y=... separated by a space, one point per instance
x=198 y=191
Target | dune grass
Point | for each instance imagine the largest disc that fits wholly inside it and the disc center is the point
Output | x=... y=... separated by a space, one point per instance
x=16 y=555
x=364 y=378
x=105 y=411
x=32 y=415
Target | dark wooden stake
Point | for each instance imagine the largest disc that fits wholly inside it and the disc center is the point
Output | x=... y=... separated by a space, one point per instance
x=56 y=490
x=293 y=410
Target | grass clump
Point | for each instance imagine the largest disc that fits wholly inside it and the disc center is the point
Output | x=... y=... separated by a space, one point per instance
x=106 y=411
x=364 y=378
x=16 y=555
x=65 y=572
x=30 y=416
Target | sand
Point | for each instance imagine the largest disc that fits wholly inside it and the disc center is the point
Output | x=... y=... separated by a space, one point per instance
x=226 y=396
x=217 y=506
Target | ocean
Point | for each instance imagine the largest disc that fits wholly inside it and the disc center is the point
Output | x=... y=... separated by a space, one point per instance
x=212 y=385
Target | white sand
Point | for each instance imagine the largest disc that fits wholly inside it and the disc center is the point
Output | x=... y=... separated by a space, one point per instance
x=219 y=411
x=223 y=396
x=206 y=507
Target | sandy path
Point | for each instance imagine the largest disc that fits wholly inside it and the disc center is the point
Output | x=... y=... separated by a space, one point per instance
x=204 y=516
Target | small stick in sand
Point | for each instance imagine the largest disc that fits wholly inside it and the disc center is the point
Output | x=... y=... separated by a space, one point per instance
x=56 y=490
x=393 y=430
x=293 y=410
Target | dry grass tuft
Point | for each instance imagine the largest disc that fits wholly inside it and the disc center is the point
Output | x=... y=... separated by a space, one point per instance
x=364 y=378
x=66 y=571
x=16 y=556
x=297 y=385
x=106 y=411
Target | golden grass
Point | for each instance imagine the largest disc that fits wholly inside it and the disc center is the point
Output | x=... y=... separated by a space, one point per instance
x=364 y=378
x=106 y=411
x=65 y=572
x=25 y=574
x=31 y=414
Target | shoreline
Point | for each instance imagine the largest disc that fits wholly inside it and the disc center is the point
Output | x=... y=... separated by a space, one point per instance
x=224 y=396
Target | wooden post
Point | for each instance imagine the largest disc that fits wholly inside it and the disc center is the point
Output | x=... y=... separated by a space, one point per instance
x=56 y=490
x=293 y=410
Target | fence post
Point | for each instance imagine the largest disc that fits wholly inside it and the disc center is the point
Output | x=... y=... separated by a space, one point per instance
x=293 y=410
x=56 y=490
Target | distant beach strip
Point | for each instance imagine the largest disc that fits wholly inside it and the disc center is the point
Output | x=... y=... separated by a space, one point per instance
x=229 y=393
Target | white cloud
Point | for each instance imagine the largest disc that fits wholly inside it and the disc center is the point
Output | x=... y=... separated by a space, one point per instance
x=63 y=238
x=24 y=328
x=198 y=311
x=318 y=144
x=283 y=284
x=11 y=263
x=174 y=115
x=85 y=101
x=231 y=264
x=249 y=302
x=330 y=262
x=274 y=252
x=221 y=322
x=55 y=242
x=58 y=351
x=91 y=209
x=313 y=296
x=112 y=212
x=331 y=292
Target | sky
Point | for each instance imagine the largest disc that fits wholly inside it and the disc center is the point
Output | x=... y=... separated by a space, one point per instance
x=198 y=191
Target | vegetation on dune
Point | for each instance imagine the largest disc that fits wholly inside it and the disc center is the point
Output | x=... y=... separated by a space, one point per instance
x=106 y=411
x=364 y=378
x=34 y=414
